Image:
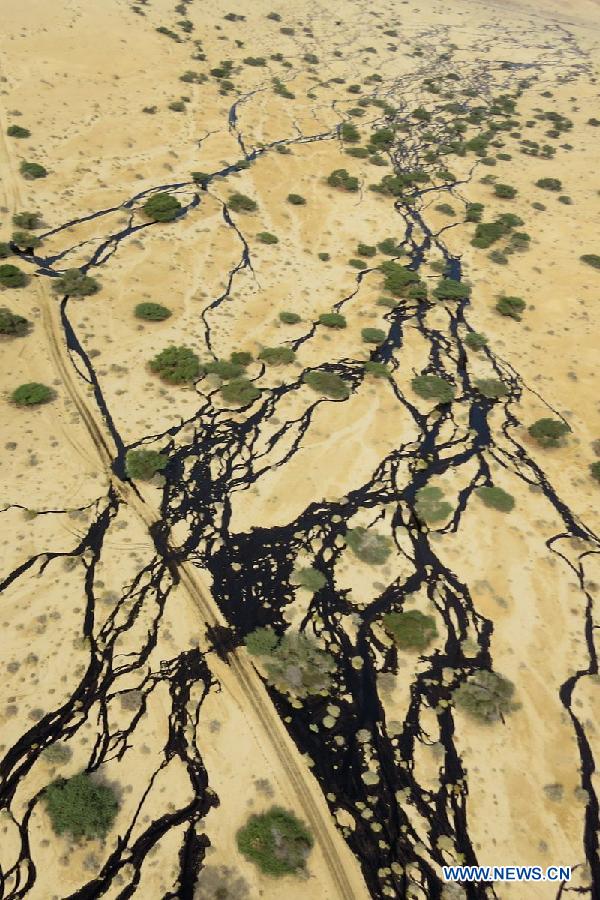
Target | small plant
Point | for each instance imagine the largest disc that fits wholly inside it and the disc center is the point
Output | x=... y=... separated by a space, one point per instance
x=221 y=883
x=5 y=250
x=332 y=320
x=261 y=642
x=76 y=284
x=144 y=464
x=327 y=383
x=595 y=470
x=548 y=432
x=505 y=191
x=275 y=841
x=390 y=247
x=241 y=203
x=340 y=178
x=298 y=667
x=175 y=106
x=31 y=170
x=349 y=133
x=397 y=278
x=475 y=341
x=445 y=209
x=592 y=259
x=81 y=806
x=176 y=365
x=240 y=391
x=152 y=312
x=30 y=221
x=12 y=324
x=162 y=207
x=324 y=257
x=200 y=178
x=449 y=289
x=492 y=388
x=377 y=369
x=372 y=335
x=277 y=356
x=411 y=630
x=549 y=184
x=511 y=306
x=368 y=545
x=25 y=240
x=32 y=394
x=496 y=498
x=225 y=368
x=309 y=578
x=486 y=696
x=429 y=505
x=296 y=200
x=17 y=131
x=12 y=276
x=266 y=237
x=289 y=318
x=432 y=387
x=366 y=250
x=358 y=264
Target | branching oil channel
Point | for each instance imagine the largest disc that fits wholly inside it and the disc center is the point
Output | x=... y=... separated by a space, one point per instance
x=252 y=571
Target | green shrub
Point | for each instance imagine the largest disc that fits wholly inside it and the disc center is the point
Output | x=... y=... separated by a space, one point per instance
x=201 y=178
x=429 y=505
x=153 y=312
x=332 y=320
x=444 y=208
x=241 y=203
x=225 y=368
x=486 y=696
x=390 y=302
x=538 y=206
x=276 y=356
x=487 y=233
x=349 y=133
x=261 y=641
x=449 y=289
x=265 y=237
x=595 y=470
x=397 y=277
x=498 y=257
x=565 y=199
x=548 y=432
x=549 y=184
x=340 y=178
x=162 y=207
x=372 y=335
x=74 y=283
x=592 y=259
x=144 y=464
x=12 y=324
x=298 y=667
x=474 y=212
x=12 y=277
x=5 y=250
x=368 y=545
x=432 y=387
x=81 y=806
x=32 y=394
x=275 y=841
x=377 y=369
x=496 y=498
x=176 y=365
x=27 y=220
x=411 y=630
x=239 y=391
x=358 y=264
x=296 y=200
x=25 y=240
x=366 y=250
x=309 y=578
x=505 y=191
x=357 y=152
x=324 y=257
x=255 y=61
x=390 y=247
x=31 y=170
x=289 y=318
x=511 y=306
x=475 y=341
x=18 y=132
x=327 y=383
x=175 y=106
x=492 y=388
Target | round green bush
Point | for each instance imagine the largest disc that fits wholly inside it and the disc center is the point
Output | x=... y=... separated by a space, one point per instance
x=241 y=358
x=265 y=237
x=327 y=383
x=368 y=545
x=31 y=170
x=152 y=312
x=277 y=356
x=162 y=207
x=309 y=578
x=511 y=306
x=595 y=470
x=486 y=696
x=505 y=191
x=296 y=200
x=475 y=341
x=390 y=247
x=241 y=203
x=74 y=283
x=18 y=132
x=377 y=369
x=411 y=630
x=449 y=289
x=289 y=318
x=12 y=324
x=275 y=841
x=358 y=264
x=144 y=464
x=12 y=276
x=429 y=505
x=332 y=320
x=549 y=184
x=366 y=250
x=5 y=250
x=431 y=387
x=25 y=240
x=548 y=432
x=492 y=388
x=176 y=365
x=225 y=369
x=32 y=394
x=261 y=642
x=372 y=335
x=81 y=806
x=239 y=391
x=340 y=178
x=298 y=667
x=592 y=259
x=496 y=498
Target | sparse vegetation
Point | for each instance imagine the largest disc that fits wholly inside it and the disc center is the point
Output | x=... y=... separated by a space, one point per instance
x=239 y=391
x=176 y=365
x=492 y=388
x=30 y=221
x=332 y=320
x=595 y=470
x=432 y=387
x=505 y=191
x=370 y=546
x=76 y=284
x=152 y=312
x=289 y=318
x=429 y=505
x=81 y=806
x=449 y=289
x=13 y=325
x=17 y=131
x=144 y=464
x=296 y=200
x=275 y=841
x=265 y=237
x=511 y=306
x=241 y=203
x=486 y=696
x=549 y=184
x=372 y=335
x=549 y=432
x=327 y=383
x=377 y=369
x=496 y=498
x=162 y=207
x=475 y=341
x=411 y=630
x=592 y=259
x=277 y=356
x=221 y=883
x=340 y=178
x=32 y=394
x=310 y=578
x=31 y=170
x=12 y=277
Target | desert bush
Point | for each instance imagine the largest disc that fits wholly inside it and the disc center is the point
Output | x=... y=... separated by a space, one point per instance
x=411 y=630
x=358 y=264
x=349 y=133
x=276 y=356
x=225 y=368
x=240 y=391
x=144 y=464
x=31 y=170
x=17 y=131
x=324 y=257
x=152 y=312
x=358 y=152
x=27 y=220
x=397 y=277
x=475 y=341
x=486 y=696
x=12 y=324
x=327 y=383
x=255 y=61
x=565 y=199
x=496 y=498
x=390 y=247
x=377 y=369
x=58 y=754
x=549 y=184
x=162 y=207
x=449 y=289
x=176 y=365
x=429 y=505
x=298 y=667
x=241 y=203
x=432 y=387
x=81 y=806
x=25 y=240
x=75 y=283
x=492 y=388
x=366 y=250
x=592 y=259
x=265 y=237
x=221 y=883
x=296 y=200
x=444 y=208
x=275 y=841
x=5 y=250
x=505 y=191
x=368 y=545
x=332 y=320
x=200 y=178
x=511 y=306
x=372 y=335
x=498 y=257
x=595 y=470
x=174 y=106
x=261 y=642
x=310 y=578
x=32 y=394
x=12 y=276
x=289 y=318
x=241 y=358
x=340 y=178
x=548 y=432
